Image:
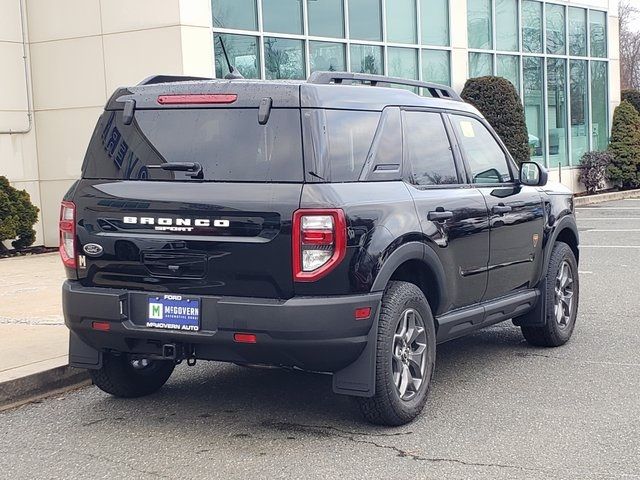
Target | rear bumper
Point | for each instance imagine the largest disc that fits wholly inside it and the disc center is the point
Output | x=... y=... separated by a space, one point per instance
x=312 y=333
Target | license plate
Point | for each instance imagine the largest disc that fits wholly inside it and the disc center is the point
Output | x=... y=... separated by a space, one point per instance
x=173 y=312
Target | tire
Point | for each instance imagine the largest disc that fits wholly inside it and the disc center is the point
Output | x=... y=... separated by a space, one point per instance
x=120 y=378
x=389 y=406
x=560 y=314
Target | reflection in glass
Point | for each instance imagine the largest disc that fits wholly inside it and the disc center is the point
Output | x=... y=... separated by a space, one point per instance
x=366 y=59
x=436 y=67
x=480 y=64
x=599 y=99
x=403 y=62
x=533 y=96
x=532 y=26
x=283 y=58
x=577 y=31
x=240 y=14
x=365 y=20
x=479 y=24
x=401 y=21
x=555 y=29
x=598 y=28
x=428 y=150
x=282 y=16
x=507 y=25
x=327 y=56
x=434 y=15
x=579 y=110
x=557 y=111
x=508 y=66
x=242 y=51
x=326 y=18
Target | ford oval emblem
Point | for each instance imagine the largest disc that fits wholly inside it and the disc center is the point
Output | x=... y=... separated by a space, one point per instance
x=93 y=249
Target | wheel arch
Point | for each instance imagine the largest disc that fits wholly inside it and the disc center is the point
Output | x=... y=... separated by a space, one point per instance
x=565 y=231
x=416 y=263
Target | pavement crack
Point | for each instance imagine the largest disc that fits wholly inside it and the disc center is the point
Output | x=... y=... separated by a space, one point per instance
x=331 y=431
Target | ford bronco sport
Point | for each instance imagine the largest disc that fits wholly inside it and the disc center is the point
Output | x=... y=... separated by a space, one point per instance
x=333 y=225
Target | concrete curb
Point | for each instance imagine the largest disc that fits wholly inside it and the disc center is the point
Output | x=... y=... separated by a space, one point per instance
x=605 y=197
x=23 y=390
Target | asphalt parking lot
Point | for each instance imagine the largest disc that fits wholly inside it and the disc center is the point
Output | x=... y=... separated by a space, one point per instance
x=498 y=409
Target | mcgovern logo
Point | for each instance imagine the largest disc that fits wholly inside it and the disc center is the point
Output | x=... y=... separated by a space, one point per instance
x=176 y=224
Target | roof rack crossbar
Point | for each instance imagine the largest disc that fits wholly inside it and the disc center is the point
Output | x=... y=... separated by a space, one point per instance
x=153 y=79
x=435 y=90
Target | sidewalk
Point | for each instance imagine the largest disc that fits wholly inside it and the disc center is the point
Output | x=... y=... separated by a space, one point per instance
x=33 y=338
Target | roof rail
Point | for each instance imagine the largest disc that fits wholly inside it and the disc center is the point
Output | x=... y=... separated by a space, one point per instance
x=153 y=79
x=435 y=90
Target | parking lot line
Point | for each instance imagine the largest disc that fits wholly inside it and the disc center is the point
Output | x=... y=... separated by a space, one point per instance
x=602 y=219
x=612 y=230
x=607 y=208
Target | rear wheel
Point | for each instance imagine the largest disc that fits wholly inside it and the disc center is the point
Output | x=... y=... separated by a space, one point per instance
x=405 y=357
x=129 y=377
x=562 y=290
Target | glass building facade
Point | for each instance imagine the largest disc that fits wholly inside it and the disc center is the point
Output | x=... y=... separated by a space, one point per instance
x=289 y=39
x=554 y=53
x=556 y=57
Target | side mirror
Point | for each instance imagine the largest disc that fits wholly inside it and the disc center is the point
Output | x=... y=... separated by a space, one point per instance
x=533 y=174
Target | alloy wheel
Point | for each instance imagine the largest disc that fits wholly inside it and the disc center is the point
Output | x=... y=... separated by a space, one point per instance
x=409 y=354
x=563 y=307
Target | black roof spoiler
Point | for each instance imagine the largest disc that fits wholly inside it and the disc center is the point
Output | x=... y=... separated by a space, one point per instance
x=153 y=79
x=435 y=90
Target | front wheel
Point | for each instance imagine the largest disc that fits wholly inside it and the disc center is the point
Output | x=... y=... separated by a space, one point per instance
x=129 y=377
x=405 y=357
x=561 y=287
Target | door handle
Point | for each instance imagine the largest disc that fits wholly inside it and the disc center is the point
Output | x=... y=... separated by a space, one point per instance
x=500 y=209
x=439 y=215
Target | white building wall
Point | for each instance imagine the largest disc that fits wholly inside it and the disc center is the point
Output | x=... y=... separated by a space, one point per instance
x=79 y=52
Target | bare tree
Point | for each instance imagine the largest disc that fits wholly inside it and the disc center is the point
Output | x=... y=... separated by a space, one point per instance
x=629 y=46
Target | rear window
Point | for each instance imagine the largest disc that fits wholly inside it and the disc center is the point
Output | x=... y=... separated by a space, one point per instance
x=230 y=145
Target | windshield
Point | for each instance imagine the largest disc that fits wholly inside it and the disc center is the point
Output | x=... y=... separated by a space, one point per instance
x=230 y=145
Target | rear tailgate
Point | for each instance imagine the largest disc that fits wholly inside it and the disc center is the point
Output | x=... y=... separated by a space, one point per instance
x=207 y=238
x=226 y=233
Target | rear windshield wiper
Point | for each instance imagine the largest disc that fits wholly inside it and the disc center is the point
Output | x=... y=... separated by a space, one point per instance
x=194 y=168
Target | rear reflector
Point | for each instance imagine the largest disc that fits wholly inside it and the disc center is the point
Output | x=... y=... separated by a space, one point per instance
x=362 y=313
x=195 y=99
x=101 y=326
x=244 y=338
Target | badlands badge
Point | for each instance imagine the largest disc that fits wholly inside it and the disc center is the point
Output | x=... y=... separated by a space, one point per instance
x=535 y=238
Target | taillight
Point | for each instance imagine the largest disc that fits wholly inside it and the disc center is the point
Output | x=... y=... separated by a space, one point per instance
x=68 y=234
x=319 y=242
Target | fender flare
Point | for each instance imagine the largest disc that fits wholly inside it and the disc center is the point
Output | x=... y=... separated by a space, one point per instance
x=566 y=222
x=413 y=251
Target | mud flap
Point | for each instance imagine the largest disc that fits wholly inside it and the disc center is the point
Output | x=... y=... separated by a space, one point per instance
x=359 y=378
x=537 y=316
x=82 y=355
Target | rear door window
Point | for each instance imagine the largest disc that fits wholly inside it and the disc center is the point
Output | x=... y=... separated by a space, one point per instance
x=230 y=145
x=428 y=150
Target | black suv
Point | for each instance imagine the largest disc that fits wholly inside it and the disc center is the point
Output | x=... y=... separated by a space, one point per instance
x=333 y=225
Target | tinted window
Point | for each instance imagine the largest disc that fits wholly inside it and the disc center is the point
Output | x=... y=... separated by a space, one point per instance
x=341 y=141
x=486 y=160
x=428 y=150
x=211 y=137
